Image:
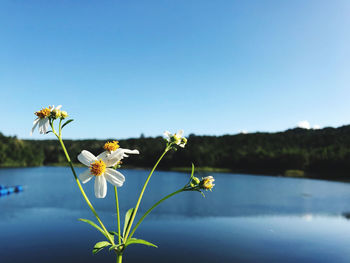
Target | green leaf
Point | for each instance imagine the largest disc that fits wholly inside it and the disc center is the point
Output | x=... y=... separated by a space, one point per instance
x=201 y=193
x=192 y=172
x=139 y=241
x=115 y=234
x=94 y=225
x=99 y=246
x=128 y=215
x=64 y=124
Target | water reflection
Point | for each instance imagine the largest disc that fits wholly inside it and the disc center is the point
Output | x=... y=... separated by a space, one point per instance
x=245 y=219
x=234 y=194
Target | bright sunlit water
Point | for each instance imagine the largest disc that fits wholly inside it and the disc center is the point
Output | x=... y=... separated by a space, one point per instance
x=245 y=219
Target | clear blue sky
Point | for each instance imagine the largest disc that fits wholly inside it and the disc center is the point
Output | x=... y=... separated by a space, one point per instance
x=122 y=68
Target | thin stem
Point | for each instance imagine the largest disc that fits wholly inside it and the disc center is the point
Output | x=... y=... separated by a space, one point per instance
x=142 y=192
x=119 y=258
x=118 y=216
x=60 y=128
x=80 y=186
x=154 y=206
x=83 y=192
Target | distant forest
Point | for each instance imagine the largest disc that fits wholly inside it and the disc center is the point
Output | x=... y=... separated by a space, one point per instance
x=320 y=153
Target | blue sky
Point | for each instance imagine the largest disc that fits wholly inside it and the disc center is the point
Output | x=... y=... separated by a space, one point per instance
x=122 y=68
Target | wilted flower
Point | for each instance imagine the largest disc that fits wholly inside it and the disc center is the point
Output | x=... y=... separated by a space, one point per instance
x=207 y=183
x=100 y=167
x=43 y=119
x=176 y=138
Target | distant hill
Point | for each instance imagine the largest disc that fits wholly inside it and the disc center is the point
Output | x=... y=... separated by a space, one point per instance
x=320 y=153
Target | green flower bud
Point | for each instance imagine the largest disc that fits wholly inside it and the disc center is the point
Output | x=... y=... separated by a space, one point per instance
x=64 y=114
x=194 y=182
x=55 y=113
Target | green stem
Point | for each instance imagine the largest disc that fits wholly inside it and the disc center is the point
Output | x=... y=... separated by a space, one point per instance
x=118 y=216
x=83 y=192
x=59 y=128
x=119 y=258
x=80 y=186
x=154 y=206
x=142 y=192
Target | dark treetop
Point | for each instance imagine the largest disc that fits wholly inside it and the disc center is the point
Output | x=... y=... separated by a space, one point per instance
x=325 y=152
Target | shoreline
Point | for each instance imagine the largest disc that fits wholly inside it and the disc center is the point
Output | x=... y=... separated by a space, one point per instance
x=335 y=177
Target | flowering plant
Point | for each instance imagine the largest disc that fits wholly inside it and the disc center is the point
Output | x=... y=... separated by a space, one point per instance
x=104 y=168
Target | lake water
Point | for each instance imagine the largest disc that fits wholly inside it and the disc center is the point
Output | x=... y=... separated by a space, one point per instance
x=245 y=219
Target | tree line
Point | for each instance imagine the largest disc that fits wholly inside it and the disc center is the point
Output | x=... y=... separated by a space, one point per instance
x=323 y=153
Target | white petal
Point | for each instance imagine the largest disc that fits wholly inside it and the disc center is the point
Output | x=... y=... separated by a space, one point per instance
x=103 y=156
x=180 y=133
x=182 y=145
x=86 y=157
x=110 y=159
x=58 y=107
x=114 y=158
x=46 y=126
x=131 y=151
x=114 y=177
x=100 y=186
x=35 y=123
x=167 y=134
x=127 y=151
x=41 y=126
x=85 y=176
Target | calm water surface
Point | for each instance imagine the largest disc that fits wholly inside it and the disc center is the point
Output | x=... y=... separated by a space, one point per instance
x=245 y=219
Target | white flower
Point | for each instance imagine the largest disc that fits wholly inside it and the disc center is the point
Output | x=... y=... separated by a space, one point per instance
x=100 y=168
x=118 y=153
x=176 y=138
x=207 y=183
x=43 y=119
x=116 y=156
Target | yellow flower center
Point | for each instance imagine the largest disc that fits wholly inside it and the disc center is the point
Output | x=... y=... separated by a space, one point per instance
x=98 y=168
x=208 y=183
x=111 y=146
x=45 y=112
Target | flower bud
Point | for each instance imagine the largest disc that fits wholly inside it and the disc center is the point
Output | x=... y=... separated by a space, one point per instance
x=56 y=113
x=64 y=114
x=175 y=139
x=194 y=182
x=183 y=142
